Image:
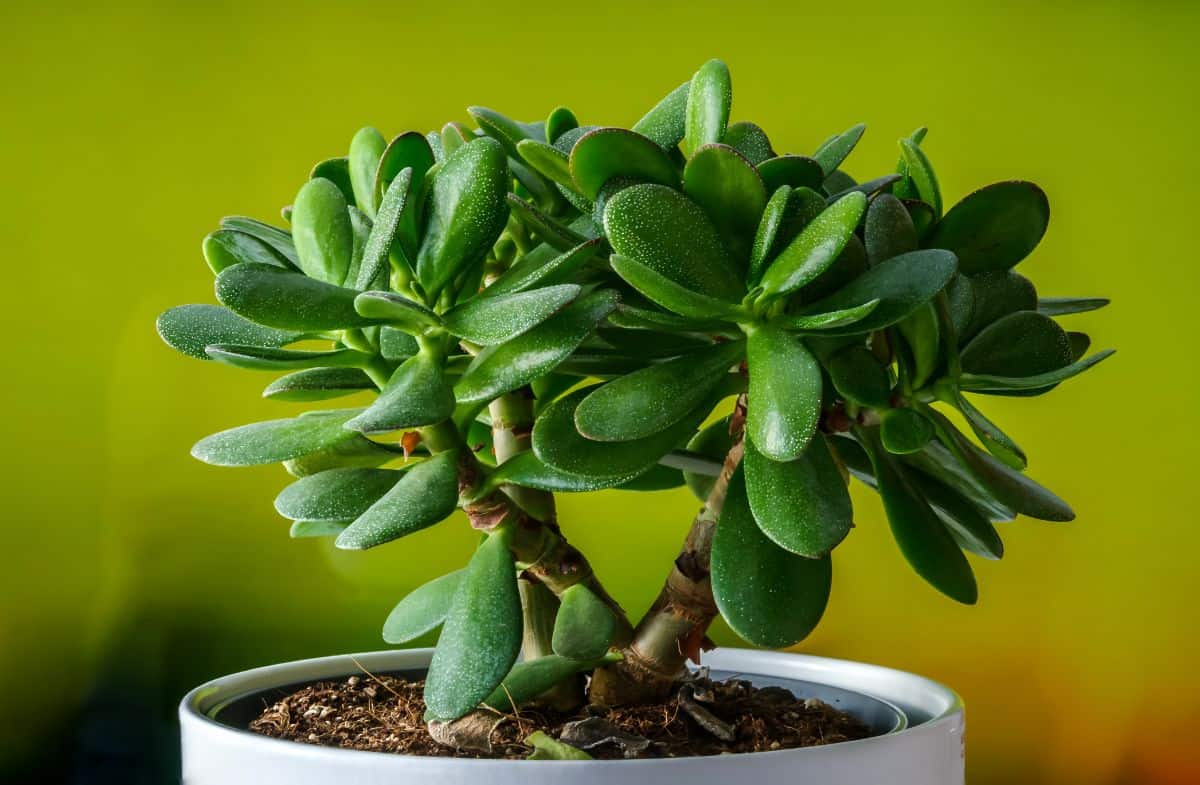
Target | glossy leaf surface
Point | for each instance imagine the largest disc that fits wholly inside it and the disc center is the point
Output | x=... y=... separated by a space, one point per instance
x=995 y=227
x=726 y=186
x=904 y=431
x=227 y=247
x=832 y=153
x=287 y=300
x=492 y=320
x=797 y=171
x=859 y=377
x=335 y=495
x=374 y=269
x=366 y=149
x=318 y=384
x=321 y=231
x=266 y=358
x=920 y=171
x=801 y=505
x=815 y=248
x=784 y=400
x=708 y=102
x=889 y=229
x=666 y=123
x=605 y=153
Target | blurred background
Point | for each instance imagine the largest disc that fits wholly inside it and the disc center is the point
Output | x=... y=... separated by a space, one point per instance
x=131 y=572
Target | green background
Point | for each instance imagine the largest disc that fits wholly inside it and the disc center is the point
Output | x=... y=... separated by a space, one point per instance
x=130 y=572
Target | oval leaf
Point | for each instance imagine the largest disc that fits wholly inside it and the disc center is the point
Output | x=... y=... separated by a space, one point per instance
x=836 y=149
x=802 y=505
x=318 y=384
x=422 y=610
x=529 y=679
x=889 y=229
x=287 y=300
x=920 y=172
x=583 y=628
x=725 y=184
x=227 y=247
x=605 y=153
x=673 y=296
x=427 y=493
x=905 y=431
x=815 y=248
x=273 y=441
x=335 y=495
x=398 y=310
x=279 y=239
x=709 y=98
x=666 y=123
x=260 y=358
x=859 y=377
x=784 y=399
x=797 y=171
x=375 y=267
x=190 y=328
x=366 y=150
x=321 y=231
x=995 y=227
x=417 y=394
x=493 y=320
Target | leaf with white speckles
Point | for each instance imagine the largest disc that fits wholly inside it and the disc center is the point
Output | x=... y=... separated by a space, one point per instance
x=267 y=358
x=836 y=149
x=605 y=153
x=318 y=384
x=709 y=99
x=287 y=300
x=815 y=248
x=190 y=328
x=366 y=148
x=322 y=232
x=273 y=441
x=416 y=394
x=666 y=123
x=491 y=320
x=784 y=399
x=427 y=493
x=423 y=609
x=227 y=247
x=802 y=505
x=335 y=495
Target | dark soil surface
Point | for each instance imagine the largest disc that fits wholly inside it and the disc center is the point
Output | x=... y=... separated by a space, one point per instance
x=383 y=714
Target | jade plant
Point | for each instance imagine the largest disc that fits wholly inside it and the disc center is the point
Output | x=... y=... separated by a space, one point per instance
x=518 y=310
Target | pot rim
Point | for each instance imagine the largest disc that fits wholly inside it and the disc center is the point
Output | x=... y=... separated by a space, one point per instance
x=201 y=703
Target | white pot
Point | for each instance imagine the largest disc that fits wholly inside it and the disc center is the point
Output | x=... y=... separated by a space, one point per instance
x=926 y=748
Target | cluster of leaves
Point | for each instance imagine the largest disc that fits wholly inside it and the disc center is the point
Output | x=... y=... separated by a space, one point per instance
x=635 y=281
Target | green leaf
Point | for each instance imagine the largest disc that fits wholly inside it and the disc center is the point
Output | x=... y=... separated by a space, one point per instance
x=427 y=493
x=815 y=248
x=801 y=505
x=583 y=628
x=335 y=495
x=859 y=377
x=373 y=272
x=995 y=227
x=366 y=151
x=360 y=228
x=984 y=383
x=905 y=431
x=869 y=188
x=507 y=366
x=558 y=443
x=798 y=171
x=656 y=478
x=938 y=462
x=548 y=161
x=922 y=336
x=492 y=320
x=960 y=301
x=506 y=131
x=972 y=530
x=1080 y=342
x=423 y=609
x=543 y=269
x=305 y=529
x=397 y=310
x=650 y=344
x=920 y=171
x=833 y=152
x=647 y=319
x=784 y=399
x=995 y=295
x=819 y=322
x=266 y=358
x=417 y=394
x=1061 y=306
x=527 y=470
x=531 y=678
x=774 y=214
x=287 y=300
x=337 y=171
x=902 y=284
x=725 y=184
x=547 y=229
x=467 y=211
x=664 y=230
x=605 y=153
x=654 y=398
x=713 y=442
x=1024 y=343
x=889 y=229
x=666 y=123
x=709 y=98
x=190 y=328
x=409 y=150
x=395 y=345
x=227 y=247
x=560 y=121
x=273 y=441
x=321 y=231
x=318 y=384
x=996 y=441
x=919 y=532
x=673 y=296
x=750 y=140
x=769 y=596
x=548 y=748
x=481 y=637
x=279 y=239
x=906 y=189
x=357 y=451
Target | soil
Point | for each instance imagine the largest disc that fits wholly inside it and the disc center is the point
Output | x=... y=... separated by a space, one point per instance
x=383 y=714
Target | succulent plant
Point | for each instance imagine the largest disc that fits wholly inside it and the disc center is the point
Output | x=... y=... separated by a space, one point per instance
x=544 y=308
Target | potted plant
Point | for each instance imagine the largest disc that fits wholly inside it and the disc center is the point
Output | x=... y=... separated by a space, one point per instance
x=544 y=308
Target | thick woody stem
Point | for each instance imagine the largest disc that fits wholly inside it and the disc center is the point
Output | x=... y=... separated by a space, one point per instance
x=673 y=630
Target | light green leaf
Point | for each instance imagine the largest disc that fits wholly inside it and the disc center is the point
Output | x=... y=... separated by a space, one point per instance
x=750 y=140
x=725 y=184
x=543 y=269
x=335 y=495
x=190 y=328
x=287 y=300
x=985 y=383
x=399 y=311
x=373 y=272
x=997 y=442
x=337 y=171
x=709 y=98
x=605 y=153
x=492 y=320
x=836 y=149
x=417 y=394
x=279 y=239
x=227 y=247
x=366 y=150
x=423 y=609
x=427 y=493
x=674 y=296
x=318 y=384
x=273 y=441
x=666 y=123
x=306 y=529
x=583 y=628
x=266 y=358
x=548 y=161
x=920 y=171
x=322 y=232
x=548 y=748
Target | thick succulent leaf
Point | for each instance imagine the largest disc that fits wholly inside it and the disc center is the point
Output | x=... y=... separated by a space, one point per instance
x=815 y=248
x=922 y=337
x=1061 y=306
x=357 y=451
x=375 y=267
x=666 y=123
x=481 y=637
x=337 y=171
x=273 y=441
x=906 y=189
x=650 y=344
x=360 y=228
x=938 y=462
x=504 y=130
x=997 y=442
x=784 y=400
x=467 y=211
x=920 y=533
x=492 y=320
x=725 y=184
x=819 y=322
x=833 y=152
x=549 y=230
x=335 y=495
x=558 y=443
x=548 y=161
x=279 y=239
x=423 y=609
x=190 y=328
x=536 y=269
x=546 y=747
x=583 y=628
x=396 y=310
x=560 y=120
x=1025 y=343
x=859 y=377
x=417 y=394
x=287 y=300
x=1080 y=343
x=227 y=247
x=409 y=150
x=656 y=478
x=366 y=150
x=889 y=229
x=969 y=527
x=669 y=233
x=634 y=317
x=905 y=431
x=920 y=172
x=995 y=227
x=305 y=529
x=902 y=284
x=996 y=295
x=527 y=470
x=960 y=302
x=267 y=358
x=318 y=384
x=426 y=494
x=798 y=171
x=605 y=153
x=673 y=296
x=530 y=678
x=868 y=188
x=709 y=98
x=507 y=366
x=713 y=442
x=985 y=383
x=322 y=232
x=774 y=214
x=750 y=140
x=769 y=596
x=801 y=505
x=396 y=345
x=654 y=398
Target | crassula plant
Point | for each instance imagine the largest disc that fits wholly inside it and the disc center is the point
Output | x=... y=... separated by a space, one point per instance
x=543 y=308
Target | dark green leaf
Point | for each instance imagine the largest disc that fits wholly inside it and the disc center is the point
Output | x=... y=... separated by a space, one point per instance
x=395 y=345
x=422 y=610
x=1061 y=306
x=769 y=596
x=859 y=377
x=548 y=161
x=416 y=395
x=666 y=123
x=543 y=269
x=492 y=320
x=819 y=322
x=605 y=153
x=906 y=189
x=920 y=171
x=360 y=228
x=190 y=328
x=531 y=678
x=397 y=310
x=504 y=130
x=322 y=232
x=335 y=495
x=709 y=98
x=713 y=442
x=750 y=140
x=997 y=294
x=550 y=231
x=725 y=184
x=798 y=171
x=784 y=400
x=481 y=637
x=831 y=154
x=227 y=247
x=997 y=442
x=656 y=478
x=985 y=383
x=357 y=451
x=266 y=358
x=922 y=337
x=426 y=494
x=279 y=239
x=409 y=150
x=801 y=505
x=889 y=229
x=373 y=272
x=273 y=441
x=583 y=628
x=869 y=188
x=960 y=301
x=941 y=464
x=905 y=431
x=815 y=248
x=318 y=384
x=995 y=227
x=654 y=398
x=366 y=150
x=1024 y=343
x=650 y=343
x=774 y=214
x=674 y=296
x=969 y=527
x=287 y=300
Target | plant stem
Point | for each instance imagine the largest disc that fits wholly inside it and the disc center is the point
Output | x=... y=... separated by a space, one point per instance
x=673 y=630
